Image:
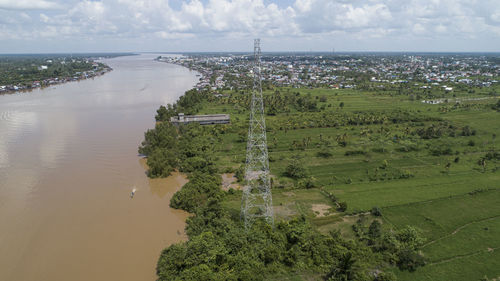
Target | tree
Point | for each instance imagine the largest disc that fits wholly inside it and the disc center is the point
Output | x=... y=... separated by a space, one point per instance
x=482 y=163
x=342 y=206
x=164 y=113
x=342 y=139
x=325 y=151
x=497 y=106
x=242 y=136
x=344 y=269
x=308 y=182
x=376 y=211
x=410 y=237
x=296 y=170
x=375 y=230
x=447 y=166
x=161 y=163
x=410 y=260
x=240 y=173
x=200 y=188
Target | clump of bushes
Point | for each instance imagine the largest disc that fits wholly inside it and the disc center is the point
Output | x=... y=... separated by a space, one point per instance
x=468 y=131
x=386 y=172
x=308 y=182
x=197 y=191
x=492 y=155
x=355 y=152
x=325 y=152
x=342 y=206
x=240 y=173
x=296 y=170
x=376 y=211
x=496 y=106
x=441 y=150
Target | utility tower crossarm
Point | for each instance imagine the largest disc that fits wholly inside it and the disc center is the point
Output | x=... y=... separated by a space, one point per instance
x=257 y=199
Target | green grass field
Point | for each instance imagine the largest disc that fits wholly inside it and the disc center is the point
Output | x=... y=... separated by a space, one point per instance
x=451 y=197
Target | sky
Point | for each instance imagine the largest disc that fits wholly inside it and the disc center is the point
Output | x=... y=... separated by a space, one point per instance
x=71 y=26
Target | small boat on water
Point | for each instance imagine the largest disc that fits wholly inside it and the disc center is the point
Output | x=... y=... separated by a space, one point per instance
x=133 y=193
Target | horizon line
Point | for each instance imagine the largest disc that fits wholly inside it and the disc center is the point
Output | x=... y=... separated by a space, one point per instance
x=249 y=52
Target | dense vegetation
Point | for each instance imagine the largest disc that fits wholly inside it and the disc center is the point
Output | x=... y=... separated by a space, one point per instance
x=300 y=244
x=420 y=165
x=23 y=70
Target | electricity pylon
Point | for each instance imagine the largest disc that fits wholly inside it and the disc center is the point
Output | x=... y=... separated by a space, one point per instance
x=257 y=199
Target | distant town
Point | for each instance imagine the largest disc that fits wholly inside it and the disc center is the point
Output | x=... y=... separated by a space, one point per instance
x=441 y=72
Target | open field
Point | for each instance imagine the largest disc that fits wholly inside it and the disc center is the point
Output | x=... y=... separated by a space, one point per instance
x=419 y=163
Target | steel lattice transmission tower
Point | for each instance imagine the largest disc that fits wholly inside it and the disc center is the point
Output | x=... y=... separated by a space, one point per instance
x=257 y=199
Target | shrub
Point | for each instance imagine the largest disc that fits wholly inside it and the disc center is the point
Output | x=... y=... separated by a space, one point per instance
x=161 y=163
x=197 y=191
x=492 y=156
x=376 y=211
x=375 y=230
x=410 y=260
x=379 y=149
x=441 y=150
x=307 y=183
x=342 y=207
x=240 y=173
x=355 y=152
x=468 y=131
x=496 y=106
x=325 y=152
x=295 y=170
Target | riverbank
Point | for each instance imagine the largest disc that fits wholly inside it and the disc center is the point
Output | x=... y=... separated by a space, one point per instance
x=12 y=89
x=204 y=74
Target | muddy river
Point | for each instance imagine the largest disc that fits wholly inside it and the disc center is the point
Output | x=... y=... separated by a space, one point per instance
x=68 y=162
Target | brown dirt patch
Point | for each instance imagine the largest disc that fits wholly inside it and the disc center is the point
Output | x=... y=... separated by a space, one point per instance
x=285 y=211
x=229 y=181
x=321 y=210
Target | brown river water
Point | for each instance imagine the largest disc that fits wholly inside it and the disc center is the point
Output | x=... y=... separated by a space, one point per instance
x=68 y=162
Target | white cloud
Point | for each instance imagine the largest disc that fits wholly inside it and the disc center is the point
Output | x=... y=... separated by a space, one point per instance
x=496 y=16
x=441 y=28
x=418 y=28
x=143 y=20
x=366 y=15
x=28 y=5
x=44 y=18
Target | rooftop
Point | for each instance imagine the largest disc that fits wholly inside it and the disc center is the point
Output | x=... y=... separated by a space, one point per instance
x=201 y=119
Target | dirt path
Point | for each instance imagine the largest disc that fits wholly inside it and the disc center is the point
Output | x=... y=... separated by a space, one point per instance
x=458 y=229
x=489 y=250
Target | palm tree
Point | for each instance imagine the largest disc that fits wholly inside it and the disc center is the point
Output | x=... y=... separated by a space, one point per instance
x=344 y=269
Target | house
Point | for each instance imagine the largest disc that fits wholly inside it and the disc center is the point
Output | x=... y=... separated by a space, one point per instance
x=201 y=119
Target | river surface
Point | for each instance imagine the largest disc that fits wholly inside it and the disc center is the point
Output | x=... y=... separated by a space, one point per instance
x=68 y=162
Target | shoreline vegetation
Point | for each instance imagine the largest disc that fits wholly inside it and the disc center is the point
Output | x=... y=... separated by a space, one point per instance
x=219 y=248
x=24 y=73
